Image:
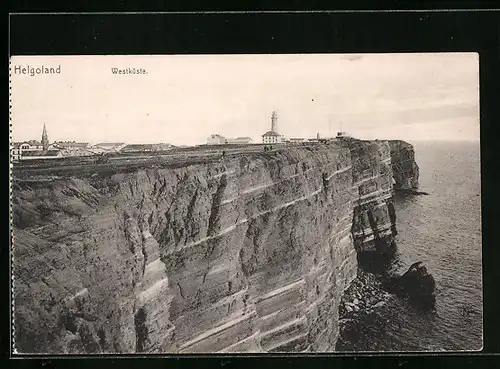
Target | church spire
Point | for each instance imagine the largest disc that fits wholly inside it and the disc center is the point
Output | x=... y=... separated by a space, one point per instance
x=45 y=138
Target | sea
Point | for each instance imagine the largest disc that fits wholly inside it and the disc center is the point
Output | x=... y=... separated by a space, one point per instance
x=443 y=230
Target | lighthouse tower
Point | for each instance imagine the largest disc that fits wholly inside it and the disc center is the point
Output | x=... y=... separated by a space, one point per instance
x=272 y=136
x=274 y=121
x=45 y=138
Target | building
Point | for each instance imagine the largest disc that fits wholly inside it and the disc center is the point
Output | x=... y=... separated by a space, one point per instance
x=54 y=146
x=216 y=139
x=109 y=146
x=147 y=147
x=42 y=154
x=239 y=141
x=31 y=150
x=342 y=135
x=323 y=139
x=272 y=136
x=296 y=141
x=138 y=148
x=72 y=148
x=31 y=145
x=71 y=145
x=22 y=149
x=18 y=148
x=162 y=146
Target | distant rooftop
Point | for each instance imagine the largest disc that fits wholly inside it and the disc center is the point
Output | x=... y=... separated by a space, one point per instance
x=31 y=142
x=139 y=146
x=271 y=133
x=110 y=144
x=66 y=144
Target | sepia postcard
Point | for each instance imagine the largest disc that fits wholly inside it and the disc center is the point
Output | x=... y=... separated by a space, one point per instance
x=278 y=203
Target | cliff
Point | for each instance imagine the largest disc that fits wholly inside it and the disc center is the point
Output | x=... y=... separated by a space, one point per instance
x=404 y=167
x=247 y=253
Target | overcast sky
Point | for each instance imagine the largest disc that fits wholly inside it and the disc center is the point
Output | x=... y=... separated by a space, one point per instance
x=184 y=99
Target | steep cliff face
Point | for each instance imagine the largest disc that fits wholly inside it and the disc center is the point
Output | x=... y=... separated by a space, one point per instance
x=249 y=253
x=404 y=166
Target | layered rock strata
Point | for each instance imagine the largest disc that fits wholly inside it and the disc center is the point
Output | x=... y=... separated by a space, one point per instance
x=404 y=167
x=250 y=253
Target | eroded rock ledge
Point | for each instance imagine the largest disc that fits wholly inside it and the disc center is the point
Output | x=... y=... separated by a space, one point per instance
x=249 y=253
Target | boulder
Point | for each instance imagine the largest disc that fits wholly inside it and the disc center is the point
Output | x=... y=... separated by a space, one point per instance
x=417 y=280
x=417 y=284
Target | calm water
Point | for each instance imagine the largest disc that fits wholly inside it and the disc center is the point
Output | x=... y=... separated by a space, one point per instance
x=444 y=231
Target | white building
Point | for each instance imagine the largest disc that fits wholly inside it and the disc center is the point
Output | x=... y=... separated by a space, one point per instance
x=216 y=139
x=16 y=151
x=72 y=145
x=296 y=141
x=18 y=148
x=31 y=145
x=108 y=146
x=33 y=149
x=239 y=141
x=272 y=136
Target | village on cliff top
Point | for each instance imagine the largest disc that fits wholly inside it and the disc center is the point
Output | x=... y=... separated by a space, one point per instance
x=33 y=149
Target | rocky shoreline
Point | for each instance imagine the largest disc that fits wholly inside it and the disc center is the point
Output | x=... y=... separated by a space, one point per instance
x=367 y=301
x=364 y=296
x=369 y=291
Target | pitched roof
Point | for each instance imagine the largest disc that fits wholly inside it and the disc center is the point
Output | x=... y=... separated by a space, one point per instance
x=32 y=143
x=271 y=133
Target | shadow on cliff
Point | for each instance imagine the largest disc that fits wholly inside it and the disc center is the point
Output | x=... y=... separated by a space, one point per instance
x=380 y=260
